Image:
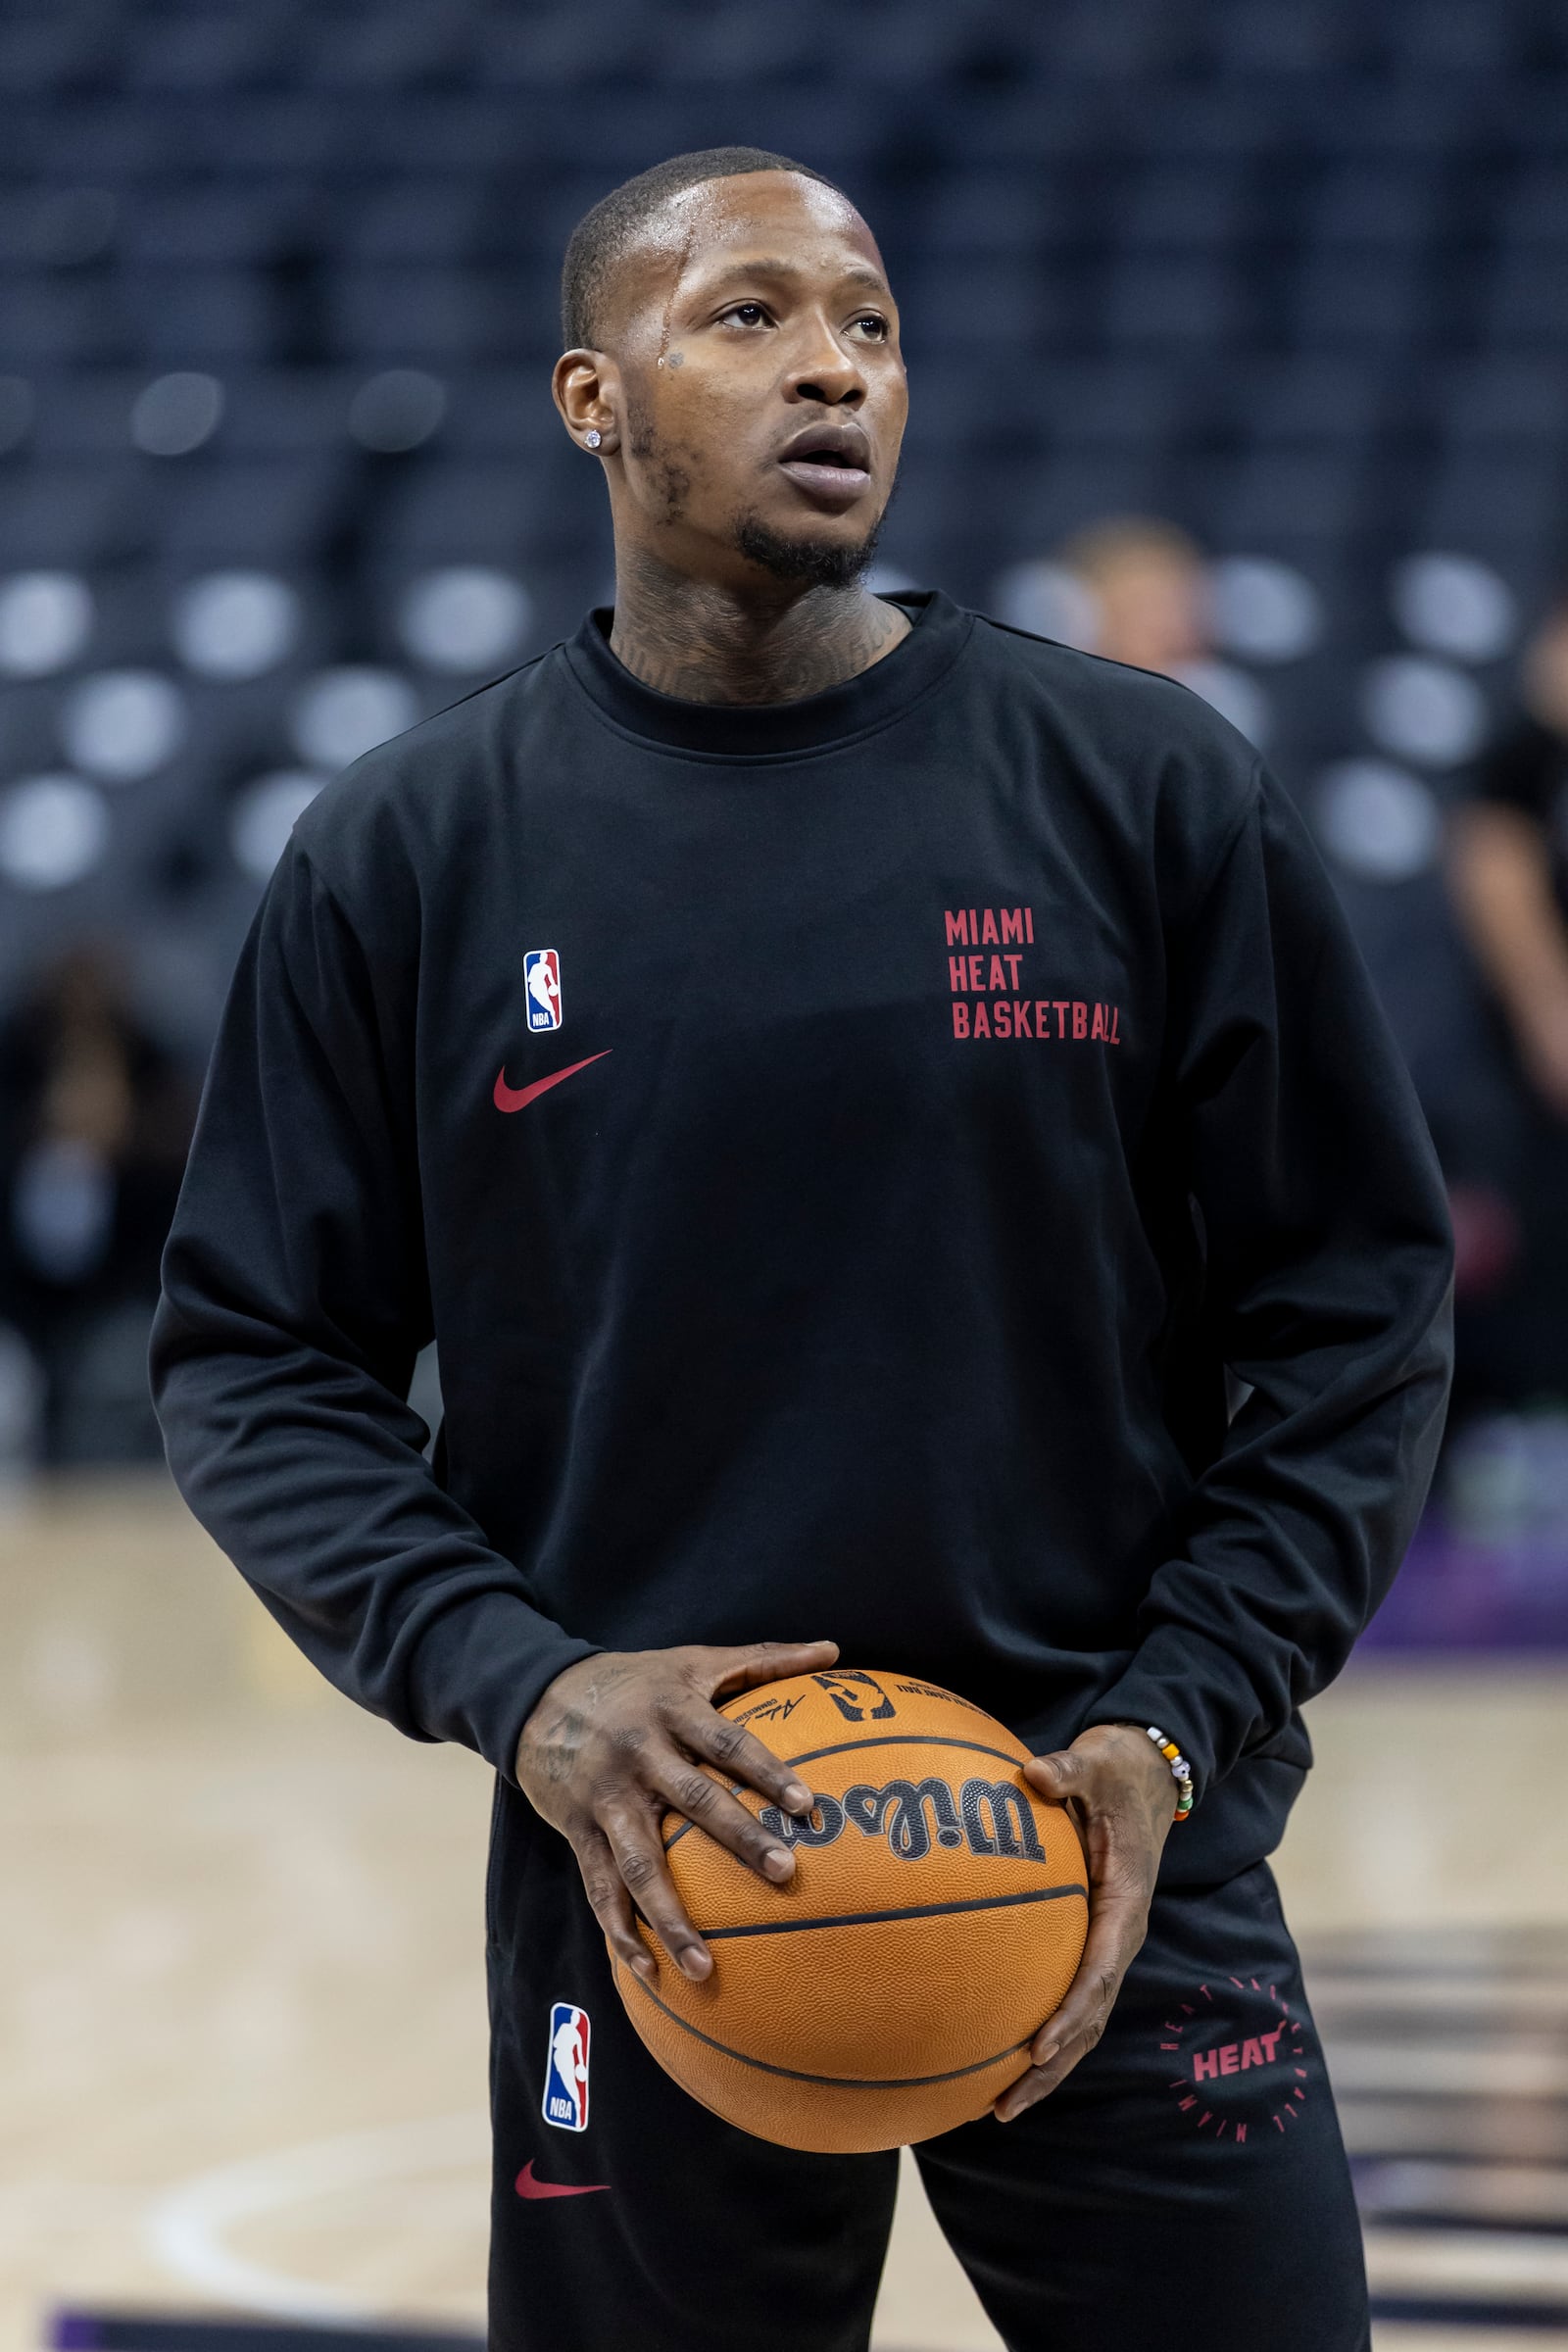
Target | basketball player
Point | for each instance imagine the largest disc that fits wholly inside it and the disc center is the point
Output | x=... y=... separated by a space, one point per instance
x=961 y=1062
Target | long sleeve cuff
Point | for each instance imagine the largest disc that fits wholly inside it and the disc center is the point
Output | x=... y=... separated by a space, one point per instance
x=1197 y=1693
x=481 y=1669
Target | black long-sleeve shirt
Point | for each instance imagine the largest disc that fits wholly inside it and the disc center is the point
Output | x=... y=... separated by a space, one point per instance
x=838 y=1147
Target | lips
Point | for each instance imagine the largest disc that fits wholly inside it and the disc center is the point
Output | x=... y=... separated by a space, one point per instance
x=830 y=463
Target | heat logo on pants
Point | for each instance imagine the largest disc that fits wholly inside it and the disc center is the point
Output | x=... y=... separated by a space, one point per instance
x=541 y=972
x=565 y=2100
x=1240 y=2061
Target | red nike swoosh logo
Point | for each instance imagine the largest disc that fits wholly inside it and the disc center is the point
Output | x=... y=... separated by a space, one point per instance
x=527 y=2185
x=516 y=1097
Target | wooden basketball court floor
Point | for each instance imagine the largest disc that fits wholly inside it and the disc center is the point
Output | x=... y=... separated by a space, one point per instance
x=241 y=2017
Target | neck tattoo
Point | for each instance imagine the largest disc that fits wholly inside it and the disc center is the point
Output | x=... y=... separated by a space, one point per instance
x=701 y=644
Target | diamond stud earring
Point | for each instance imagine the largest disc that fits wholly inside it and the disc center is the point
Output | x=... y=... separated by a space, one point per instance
x=592 y=436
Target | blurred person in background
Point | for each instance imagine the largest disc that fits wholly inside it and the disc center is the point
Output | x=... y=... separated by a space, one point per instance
x=1146 y=589
x=1508 y=871
x=94 y=1123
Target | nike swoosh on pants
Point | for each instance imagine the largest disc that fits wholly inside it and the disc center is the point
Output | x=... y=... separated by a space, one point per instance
x=528 y=2186
x=516 y=1098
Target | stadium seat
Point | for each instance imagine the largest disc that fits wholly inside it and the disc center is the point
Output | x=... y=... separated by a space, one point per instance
x=181 y=317
x=1509 y=501
x=1126 y=402
x=385 y=315
x=473 y=512
x=1171 y=301
x=959 y=304
x=266 y=511
x=424 y=221
x=202 y=227
x=1187 y=206
x=504 y=413
x=1527 y=300
x=1272 y=498
x=210 y=50
x=1354 y=299
x=1374 y=204
x=1318 y=397
x=75 y=516
x=1500 y=399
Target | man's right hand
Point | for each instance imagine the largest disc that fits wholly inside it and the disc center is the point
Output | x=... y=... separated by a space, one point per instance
x=618 y=1740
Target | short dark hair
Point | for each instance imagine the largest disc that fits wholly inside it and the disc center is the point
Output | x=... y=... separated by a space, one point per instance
x=603 y=234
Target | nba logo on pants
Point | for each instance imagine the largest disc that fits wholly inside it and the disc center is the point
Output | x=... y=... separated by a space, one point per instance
x=541 y=972
x=566 y=2100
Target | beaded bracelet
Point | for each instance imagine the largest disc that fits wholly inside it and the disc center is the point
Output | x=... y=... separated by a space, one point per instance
x=1181 y=1771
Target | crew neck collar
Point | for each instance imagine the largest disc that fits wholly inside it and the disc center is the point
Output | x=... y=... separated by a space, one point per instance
x=758 y=730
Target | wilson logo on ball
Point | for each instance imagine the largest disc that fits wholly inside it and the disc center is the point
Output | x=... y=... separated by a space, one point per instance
x=990 y=1817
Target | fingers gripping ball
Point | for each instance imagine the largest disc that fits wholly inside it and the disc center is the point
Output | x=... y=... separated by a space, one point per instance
x=936 y=1917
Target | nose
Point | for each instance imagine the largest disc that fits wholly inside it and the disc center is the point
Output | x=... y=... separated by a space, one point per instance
x=825 y=369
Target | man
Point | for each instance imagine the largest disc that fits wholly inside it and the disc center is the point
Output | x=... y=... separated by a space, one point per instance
x=1147 y=592
x=961 y=1061
x=1508 y=870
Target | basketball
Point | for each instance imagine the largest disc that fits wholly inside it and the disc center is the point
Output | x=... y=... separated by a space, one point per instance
x=935 y=1920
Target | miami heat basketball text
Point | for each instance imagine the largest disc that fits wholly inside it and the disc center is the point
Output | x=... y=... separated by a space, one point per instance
x=996 y=983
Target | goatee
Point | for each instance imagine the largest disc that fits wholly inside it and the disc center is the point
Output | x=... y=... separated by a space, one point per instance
x=814 y=563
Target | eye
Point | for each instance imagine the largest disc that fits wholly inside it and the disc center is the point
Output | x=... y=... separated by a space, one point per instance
x=746 y=313
x=872 y=326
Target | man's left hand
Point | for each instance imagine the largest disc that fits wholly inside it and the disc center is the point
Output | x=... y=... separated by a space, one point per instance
x=1122 y=1795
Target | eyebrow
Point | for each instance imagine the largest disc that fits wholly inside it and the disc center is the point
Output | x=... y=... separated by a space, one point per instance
x=860 y=273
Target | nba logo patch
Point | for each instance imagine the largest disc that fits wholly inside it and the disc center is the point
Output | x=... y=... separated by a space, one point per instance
x=566 y=2100
x=541 y=972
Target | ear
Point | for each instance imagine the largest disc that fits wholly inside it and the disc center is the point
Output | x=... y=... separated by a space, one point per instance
x=586 y=387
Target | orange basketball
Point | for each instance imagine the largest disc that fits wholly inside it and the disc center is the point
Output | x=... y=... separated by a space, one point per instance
x=936 y=1917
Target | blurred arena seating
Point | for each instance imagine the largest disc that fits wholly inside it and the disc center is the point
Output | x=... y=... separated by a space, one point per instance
x=279 y=473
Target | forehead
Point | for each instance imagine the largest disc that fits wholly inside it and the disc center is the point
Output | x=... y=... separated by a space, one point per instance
x=774 y=213
x=723 y=215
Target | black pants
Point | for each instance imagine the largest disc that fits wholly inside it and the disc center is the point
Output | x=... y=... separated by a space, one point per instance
x=1185 y=2190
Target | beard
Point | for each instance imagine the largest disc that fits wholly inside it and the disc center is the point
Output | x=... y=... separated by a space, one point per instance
x=807 y=563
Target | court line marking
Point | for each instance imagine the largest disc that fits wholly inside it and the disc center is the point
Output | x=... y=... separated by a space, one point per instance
x=186 y=2227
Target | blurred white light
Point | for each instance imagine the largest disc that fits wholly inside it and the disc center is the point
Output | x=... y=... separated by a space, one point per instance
x=45 y=621
x=63 y=1206
x=1379 y=821
x=176 y=413
x=236 y=625
x=262 y=818
x=1423 y=710
x=343 y=713
x=1233 y=694
x=124 y=723
x=16 y=406
x=1048 y=601
x=1453 y=604
x=465 y=619
x=397 y=410
x=53 y=830
x=1264 y=609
